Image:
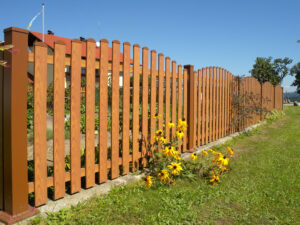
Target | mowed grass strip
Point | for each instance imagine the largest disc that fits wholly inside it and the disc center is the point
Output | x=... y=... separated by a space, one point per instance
x=263 y=187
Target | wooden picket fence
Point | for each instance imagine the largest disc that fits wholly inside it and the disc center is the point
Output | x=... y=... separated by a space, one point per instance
x=202 y=97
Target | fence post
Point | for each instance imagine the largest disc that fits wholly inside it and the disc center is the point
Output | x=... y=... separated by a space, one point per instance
x=191 y=119
x=15 y=181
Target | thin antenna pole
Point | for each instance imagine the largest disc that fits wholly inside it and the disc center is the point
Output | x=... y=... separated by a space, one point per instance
x=43 y=14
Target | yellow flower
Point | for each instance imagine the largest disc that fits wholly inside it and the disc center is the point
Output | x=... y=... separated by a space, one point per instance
x=148 y=181
x=204 y=152
x=176 y=155
x=156 y=116
x=163 y=140
x=225 y=161
x=231 y=153
x=182 y=125
x=223 y=169
x=163 y=175
x=175 y=167
x=179 y=134
x=171 y=125
x=214 y=178
x=159 y=133
x=168 y=151
x=222 y=160
x=194 y=156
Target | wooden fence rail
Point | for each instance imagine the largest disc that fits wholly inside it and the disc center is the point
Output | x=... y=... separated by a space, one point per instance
x=202 y=97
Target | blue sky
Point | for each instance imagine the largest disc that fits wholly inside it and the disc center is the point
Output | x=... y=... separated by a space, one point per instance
x=229 y=34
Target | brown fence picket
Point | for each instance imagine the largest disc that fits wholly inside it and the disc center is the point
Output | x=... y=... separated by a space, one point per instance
x=153 y=109
x=199 y=121
x=59 y=120
x=207 y=110
x=126 y=107
x=103 y=104
x=115 y=83
x=40 y=110
x=185 y=95
x=145 y=104
x=174 y=97
x=203 y=102
x=180 y=77
x=160 y=90
x=75 y=116
x=135 y=105
x=167 y=98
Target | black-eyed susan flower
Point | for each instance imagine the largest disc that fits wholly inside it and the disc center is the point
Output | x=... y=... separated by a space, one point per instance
x=156 y=116
x=231 y=153
x=204 y=152
x=168 y=151
x=179 y=134
x=175 y=167
x=159 y=133
x=225 y=160
x=171 y=125
x=194 y=156
x=163 y=175
x=163 y=140
x=215 y=178
x=176 y=155
x=148 y=181
x=182 y=125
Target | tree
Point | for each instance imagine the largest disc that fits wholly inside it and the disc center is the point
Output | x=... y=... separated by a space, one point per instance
x=274 y=71
x=295 y=70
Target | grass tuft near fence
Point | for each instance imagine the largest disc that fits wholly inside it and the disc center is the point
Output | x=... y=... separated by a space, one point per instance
x=262 y=188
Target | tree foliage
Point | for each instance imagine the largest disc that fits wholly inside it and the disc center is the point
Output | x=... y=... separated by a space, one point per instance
x=266 y=69
x=295 y=70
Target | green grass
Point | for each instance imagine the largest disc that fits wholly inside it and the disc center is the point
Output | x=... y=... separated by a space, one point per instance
x=263 y=187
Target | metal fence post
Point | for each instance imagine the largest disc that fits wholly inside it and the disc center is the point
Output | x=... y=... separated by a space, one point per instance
x=15 y=180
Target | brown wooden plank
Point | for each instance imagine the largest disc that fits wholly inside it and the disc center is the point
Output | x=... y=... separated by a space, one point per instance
x=223 y=104
x=115 y=109
x=214 y=103
x=207 y=110
x=180 y=77
x=153 y=96
x=59 y=120
x=220 y=96
x=199 y=108
x=227 y=109
x=210 y=104
x=145 y=93
x=185 y=99
x=126 y=107
x=135 y=113
x=90 y=114
x=174 y=97
x=103 y=104
x=195 y=110
x=160 y=89
x=40 y=145
x=1 y=132
x=167 y=98
x=75 y=116
x=203 y=104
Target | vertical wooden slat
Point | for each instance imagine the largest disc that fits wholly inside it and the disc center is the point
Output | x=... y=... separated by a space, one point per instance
x=214 y=102
x=210 y=104
x=75 y=116
x=1 y=134
x=40 y=110
x=203 y=103
x=167 y=98
x=115 y=109
x=135 y=113
x=185 y=95
x=59 y=120
x=199 y=121
x=218 y=102
x=180 y=77
x=126 y=106
x=153 y=95
x=103 y=104
x=90 y=114
x=219 y=105
x=207 y=110
x=145 y=103
x=223 y=103
x=174 y=96
x=160 y=89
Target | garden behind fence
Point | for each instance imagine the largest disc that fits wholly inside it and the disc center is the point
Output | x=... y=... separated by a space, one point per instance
x=116 y=142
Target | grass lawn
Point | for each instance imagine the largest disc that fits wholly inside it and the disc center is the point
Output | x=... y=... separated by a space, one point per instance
x=263 y=187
